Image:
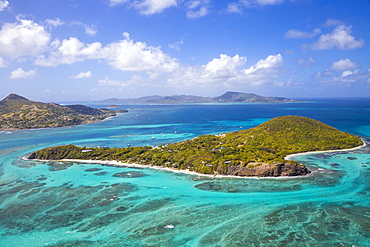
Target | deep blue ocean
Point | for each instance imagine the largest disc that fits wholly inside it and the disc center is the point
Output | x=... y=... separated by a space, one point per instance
x=64 y=204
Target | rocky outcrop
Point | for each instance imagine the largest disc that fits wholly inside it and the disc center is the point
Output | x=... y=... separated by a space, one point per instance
x=269 y=170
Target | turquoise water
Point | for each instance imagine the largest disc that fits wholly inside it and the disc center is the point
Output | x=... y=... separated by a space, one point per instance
x=70 y=204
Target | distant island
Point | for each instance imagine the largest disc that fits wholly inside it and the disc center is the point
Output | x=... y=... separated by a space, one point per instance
x=17 y=112
x=228 y=97
x=259 y=151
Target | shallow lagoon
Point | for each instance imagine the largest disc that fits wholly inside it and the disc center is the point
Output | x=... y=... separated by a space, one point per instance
x=69 y=204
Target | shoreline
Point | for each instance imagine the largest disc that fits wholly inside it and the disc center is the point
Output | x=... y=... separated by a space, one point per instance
x=289 y=156
x=115 y=163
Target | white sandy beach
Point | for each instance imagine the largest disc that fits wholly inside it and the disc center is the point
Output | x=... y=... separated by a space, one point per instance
x=288 y=157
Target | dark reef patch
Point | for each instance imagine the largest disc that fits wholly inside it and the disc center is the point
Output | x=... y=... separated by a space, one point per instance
x=129 y=174
x=58 y=166
x=93 y=169
x=57 y=207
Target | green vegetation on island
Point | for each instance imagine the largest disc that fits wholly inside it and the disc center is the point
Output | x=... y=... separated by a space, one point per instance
x=258 y=151
x=17 y=112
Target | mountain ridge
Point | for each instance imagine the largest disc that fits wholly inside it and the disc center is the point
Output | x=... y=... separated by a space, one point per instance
x=17 y=112
x=228 y=97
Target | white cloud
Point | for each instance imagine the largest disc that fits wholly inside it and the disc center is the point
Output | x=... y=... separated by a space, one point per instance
x=343 y=64
x=3 y=5
x=20 y=73
x=225 y=65
x=23 y=38
x=86 y=74
x=197 y=14
x=91 y=30
x=340 y=38
x=264 y=70
x=125 y=55
x=349 y=72
x=69 y=51
x=225 y=71
x=297 y=34
x=343 y=72
x=218 y=70
x=128 y=55
x=147 y=7
x=197 y=8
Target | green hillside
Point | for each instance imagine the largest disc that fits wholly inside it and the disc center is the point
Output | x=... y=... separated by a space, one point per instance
x=237 y=153
x=17 y=112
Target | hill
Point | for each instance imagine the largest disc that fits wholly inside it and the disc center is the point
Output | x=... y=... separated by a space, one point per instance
x=17 y=112
x=259 y=151
x=228 y=97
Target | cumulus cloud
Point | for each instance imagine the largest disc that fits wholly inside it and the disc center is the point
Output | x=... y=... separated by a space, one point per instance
x=225 y=65
x=347 y=73
x=339 y=38
x=218 y=70
x=344 y=72
x=297 y=34
x=226 y=71
x=125 y=55
x=69 y=51
x=20 y=73
x=3 y=5
x=343 y=64
x=149 y=7
x=80 y=75
x=264 y=70
x=23 y=38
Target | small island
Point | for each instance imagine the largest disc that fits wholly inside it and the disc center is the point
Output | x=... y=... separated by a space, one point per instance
x=256 y=152
x=17 y=112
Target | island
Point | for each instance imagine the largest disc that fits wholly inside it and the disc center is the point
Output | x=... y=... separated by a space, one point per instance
x=259 y=151
x=17 y=112
x=228 y=97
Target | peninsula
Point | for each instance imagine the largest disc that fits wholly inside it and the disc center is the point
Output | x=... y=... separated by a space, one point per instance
x=17 y=112
x=258 y=151
x=228 y=97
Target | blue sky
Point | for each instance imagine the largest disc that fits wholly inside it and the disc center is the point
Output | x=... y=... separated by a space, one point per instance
x=77 y=50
